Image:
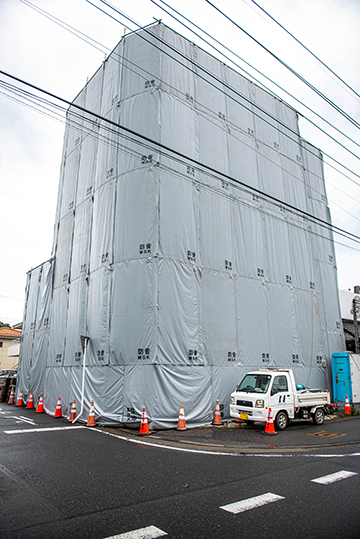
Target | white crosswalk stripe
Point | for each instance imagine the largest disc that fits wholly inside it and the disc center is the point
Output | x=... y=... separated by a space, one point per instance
x=150 y=532
x=251 y=503
x=45 y=429
x=331 y=478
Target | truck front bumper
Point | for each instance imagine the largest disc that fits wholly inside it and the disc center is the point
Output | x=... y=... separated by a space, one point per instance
x=248 y=414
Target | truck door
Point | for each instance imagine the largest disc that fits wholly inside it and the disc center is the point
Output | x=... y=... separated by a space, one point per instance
x=281 y=398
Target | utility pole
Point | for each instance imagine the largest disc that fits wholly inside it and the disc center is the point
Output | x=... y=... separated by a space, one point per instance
x=355 y=311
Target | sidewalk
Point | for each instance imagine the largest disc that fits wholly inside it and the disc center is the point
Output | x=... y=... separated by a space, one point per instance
x=234 y=437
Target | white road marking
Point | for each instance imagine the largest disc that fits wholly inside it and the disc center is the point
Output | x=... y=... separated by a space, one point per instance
x=27 y=420
x=331 y=478
x=18 y=418
x=46 y=429
x=150 y=532
x=23 y=419
x=223 y=453
x=251 y=503
x=200 y=451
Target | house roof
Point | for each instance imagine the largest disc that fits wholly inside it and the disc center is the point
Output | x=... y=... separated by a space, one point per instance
x=348 y=326
x=9 y=333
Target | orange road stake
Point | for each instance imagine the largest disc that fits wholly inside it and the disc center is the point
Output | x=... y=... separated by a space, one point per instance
x=30 y=403
x=12 y=396
x=144 y=427
x=40 y=406
x=58 y=409
x=181 y=422
x=73 y=411
x=20 y=401
x=269 y=427
x=347 y=406
x=91 y=420
x=217 y=417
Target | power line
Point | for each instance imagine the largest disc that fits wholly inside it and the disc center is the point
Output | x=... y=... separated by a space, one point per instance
x=223 y=83
x=123 y=61
x=289 y=68
x=76 y=33
x=67 y=27
x=95 y=134
x=258 y=71
x=110 y=142
x=11 y=89
x=306 y=48
x=321 y=222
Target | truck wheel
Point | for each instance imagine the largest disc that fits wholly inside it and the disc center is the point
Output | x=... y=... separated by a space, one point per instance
x=281 y=421
x=318 y=416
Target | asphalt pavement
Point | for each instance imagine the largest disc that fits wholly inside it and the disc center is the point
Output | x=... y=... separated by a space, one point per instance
x=62 y=480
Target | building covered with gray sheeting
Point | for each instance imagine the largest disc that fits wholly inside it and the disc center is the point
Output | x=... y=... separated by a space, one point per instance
x=183 y=277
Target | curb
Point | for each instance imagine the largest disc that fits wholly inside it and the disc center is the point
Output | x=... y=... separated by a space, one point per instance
x=240 y=448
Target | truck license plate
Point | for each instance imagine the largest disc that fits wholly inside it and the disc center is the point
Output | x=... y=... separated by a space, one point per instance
x=243 y=416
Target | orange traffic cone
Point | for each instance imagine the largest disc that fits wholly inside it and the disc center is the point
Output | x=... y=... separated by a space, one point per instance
x=58 y=409
x=73 y=411
x=144 y=427
x=91 y=420
x=217 y=418
x=181 y=422
x=40 y=406
x=12 y=396
x=30 y=403
x=269 y=427
x=347 y=406
x=20 y=401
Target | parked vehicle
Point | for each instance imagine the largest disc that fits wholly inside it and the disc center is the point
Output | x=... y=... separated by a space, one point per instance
x=7 y=381
x=5 y=373
x=276 y=389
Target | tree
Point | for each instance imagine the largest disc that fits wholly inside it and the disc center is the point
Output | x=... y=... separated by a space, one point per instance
x=4 y=325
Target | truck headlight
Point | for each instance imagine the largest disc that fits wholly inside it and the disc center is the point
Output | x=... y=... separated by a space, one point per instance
x=232 y=400
x=259 y=403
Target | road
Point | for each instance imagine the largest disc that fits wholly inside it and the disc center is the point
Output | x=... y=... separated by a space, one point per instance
x=58 y=482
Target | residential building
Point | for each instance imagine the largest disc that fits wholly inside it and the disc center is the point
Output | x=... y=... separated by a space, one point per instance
x=9 y=348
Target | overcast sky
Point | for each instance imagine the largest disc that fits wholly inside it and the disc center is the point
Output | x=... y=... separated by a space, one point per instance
x=35 y=49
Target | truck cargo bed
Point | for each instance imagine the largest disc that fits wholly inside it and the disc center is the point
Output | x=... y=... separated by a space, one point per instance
x=311 y=398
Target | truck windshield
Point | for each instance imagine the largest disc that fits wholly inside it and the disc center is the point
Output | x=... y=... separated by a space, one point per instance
x=255 y=383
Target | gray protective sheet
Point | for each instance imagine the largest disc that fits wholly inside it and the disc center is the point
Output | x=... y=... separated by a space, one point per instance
x=182 y=279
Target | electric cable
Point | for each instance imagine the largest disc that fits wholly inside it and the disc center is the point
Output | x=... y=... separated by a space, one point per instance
x=258 y=71
x=207 y=186
x=241 y=142
x=223 y=83
x=17 y=91
x=306 y=48
x=340 y=207
x=123 y=60
x=68 y=27
x=289 y=68
x=80 y=127
x=162 y=147
x=90 y=41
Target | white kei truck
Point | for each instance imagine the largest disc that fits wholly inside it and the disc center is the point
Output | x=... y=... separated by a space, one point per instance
x=276 y=389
